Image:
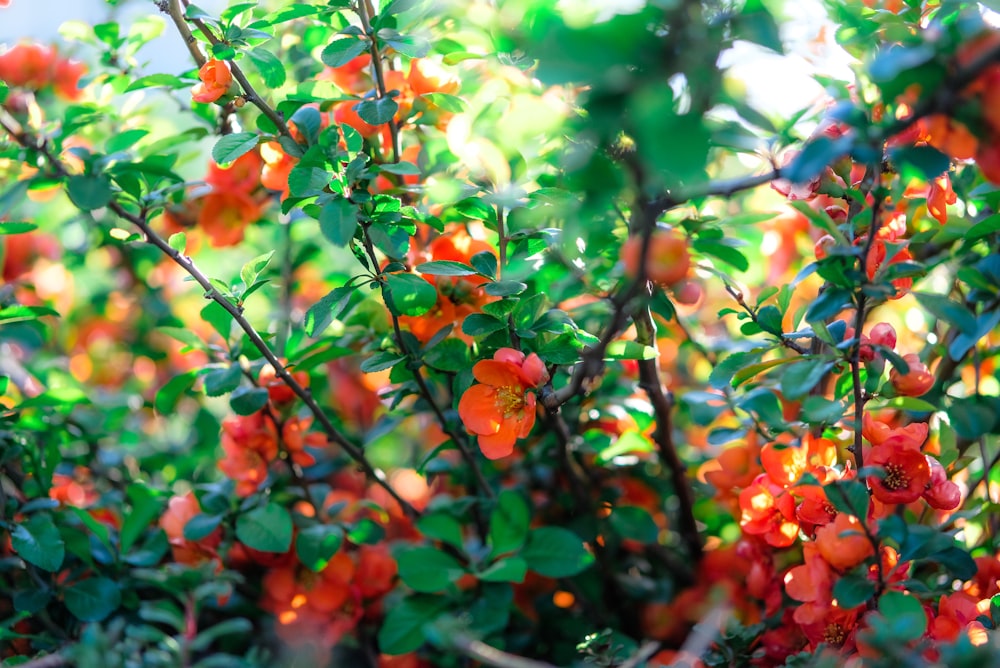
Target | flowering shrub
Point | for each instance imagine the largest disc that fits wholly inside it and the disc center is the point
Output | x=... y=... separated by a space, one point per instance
x=413 y=333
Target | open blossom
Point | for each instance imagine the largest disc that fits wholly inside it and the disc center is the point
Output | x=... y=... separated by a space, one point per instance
x=502 y=409
x=215 y=81
x=906 y=473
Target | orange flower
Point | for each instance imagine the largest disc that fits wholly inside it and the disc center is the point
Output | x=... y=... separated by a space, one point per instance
x=501 y=410
x=35 y=66
x=843 y=543
x=215 y=81
x=243 y=174
x=224 y=216
x=277 y=166
x=917 y=381
x=426 y=76
x=180 y=511
x=768 y=510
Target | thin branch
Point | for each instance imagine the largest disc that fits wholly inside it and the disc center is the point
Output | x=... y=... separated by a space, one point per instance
x=871 y=180
x=788 y=343
x=491 y=656
x=649 y=381
x=176 y=12
x=365 y=12
x=177 y=15
x=354 y=452
x=460 y=442
x=47 y=661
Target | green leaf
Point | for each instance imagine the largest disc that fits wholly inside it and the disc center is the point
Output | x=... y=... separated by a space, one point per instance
x=168 y=395
x=201 y=526
x=400 y=6
x=381 y=361
x=322 y=313
x=341 y=51
x=556 y=552
x=509 y=523
x=408 y=294
x=307 y=181
x=755 y=24
x=830 y=303
x=316 y=545
x=407 y=45
x=231 y=147
x=447 y=102
x=378 y=110
x=427 y=569
x=800 y=378
x=252 y=269
x=928 y=162
x=219 y=318
x=635 y=523
x=849 y=496
x=204 y=639
x=178 y=241
x=223 y=51
x=752 y=370
x=152 y=80
x=904 y=614
x=443 y=527
x=814 y=158
x=629 y=350
x=973 y=417
x=93 y=599
x=145 y=509
x=402 y=168
x=727 y=254
x=89 y=192
x=16 y=228
x=505 y=288
x=37 y=541
x=446 y=268
x=266 y=528
x=949 y=311
x=511 y=569
x=248 y=400
x=485 y=263
x=223 y=381
x=890 y=62
x=19 y=313
x=769 y=319
x=271 y=70
x=402 y=629
x=629 y=442
x=853 y=590
x=338 y=220
x=480 y=324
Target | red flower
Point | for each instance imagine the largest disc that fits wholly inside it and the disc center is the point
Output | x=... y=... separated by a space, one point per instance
x=501 y=410
x=215 y=81
x=906 y=473
x=941 y=493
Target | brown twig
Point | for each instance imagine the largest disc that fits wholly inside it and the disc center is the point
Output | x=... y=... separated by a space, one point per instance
x=365 y=12
x=662 y=402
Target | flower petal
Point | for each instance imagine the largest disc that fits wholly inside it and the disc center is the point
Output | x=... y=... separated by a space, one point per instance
x=497 y=374
x=478 y=410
